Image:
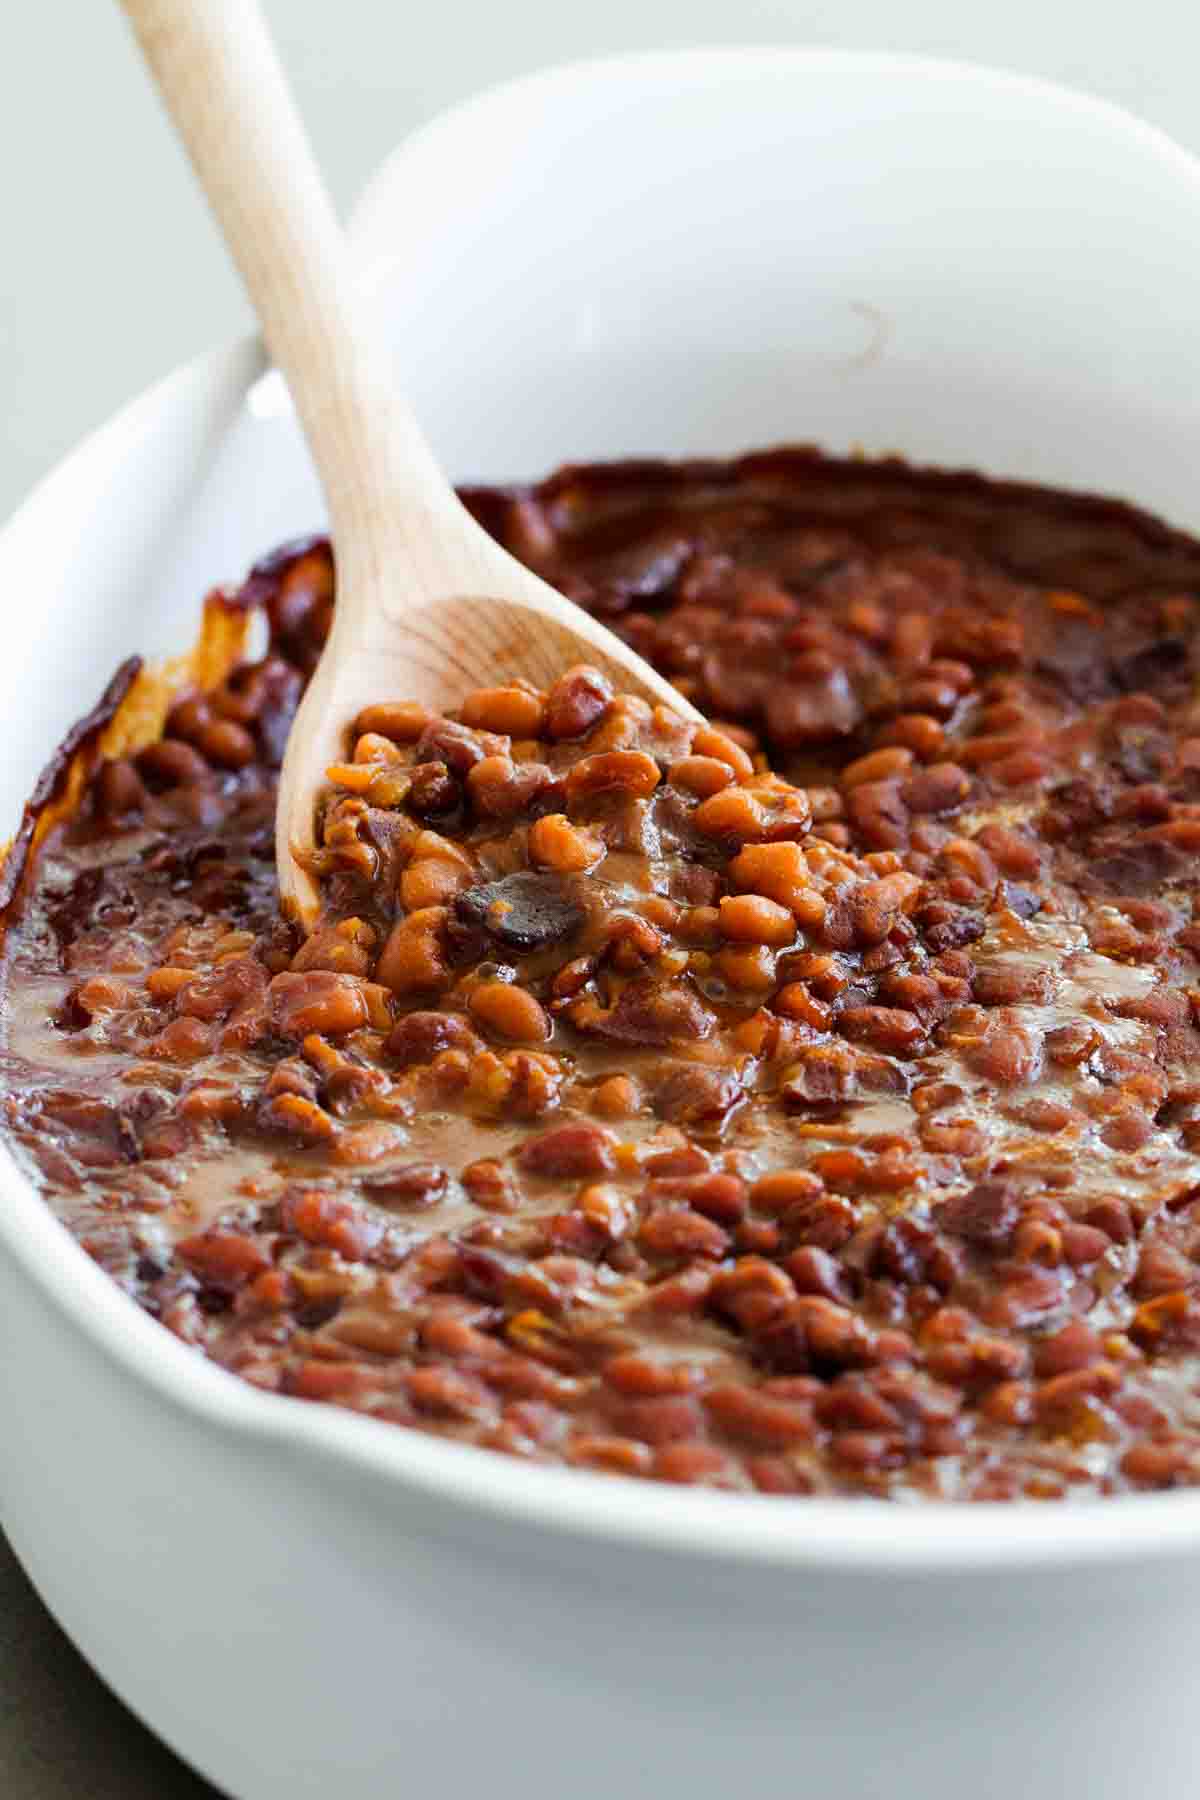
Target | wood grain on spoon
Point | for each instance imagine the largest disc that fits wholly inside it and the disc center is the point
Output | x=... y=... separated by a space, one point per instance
x=428 y=606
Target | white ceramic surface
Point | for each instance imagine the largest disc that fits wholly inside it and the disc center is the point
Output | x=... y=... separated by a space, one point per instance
x=681 y=252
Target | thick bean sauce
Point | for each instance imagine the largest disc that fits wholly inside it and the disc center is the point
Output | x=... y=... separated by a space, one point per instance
x=805 y=1103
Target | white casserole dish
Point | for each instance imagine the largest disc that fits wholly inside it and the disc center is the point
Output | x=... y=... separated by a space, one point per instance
x=683 y=252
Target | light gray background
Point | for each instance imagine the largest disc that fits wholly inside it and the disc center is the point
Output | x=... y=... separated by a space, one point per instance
x=110 y=275
x=109 y=270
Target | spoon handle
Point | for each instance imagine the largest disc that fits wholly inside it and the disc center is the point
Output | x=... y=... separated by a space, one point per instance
x=223 y=86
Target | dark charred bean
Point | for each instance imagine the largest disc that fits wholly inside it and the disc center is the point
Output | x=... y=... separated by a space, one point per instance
x=526 y=911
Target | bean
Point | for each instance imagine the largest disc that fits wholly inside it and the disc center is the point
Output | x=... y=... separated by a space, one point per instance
x=120 y=790
x=453 y=746
x=986 y=1214
x=617 y=1098
x=171 y=763
x=693 y=1465
x=613 y=771
x=412 y=959
x=487 y=1185
x=554 y=843
x=940 y=788
x=877 y=812
x=432 y=881
x=510 y=1012
x=747 y=968
x=720 y=747
x=1160 y=1270
x=678 y=1232
x=188 y=716
x=224 y=1259
x=784 y=1189
x=796 y=1001
x=614 y=1455
x=371 y=748
x=577 y=701
x=433 y=792
x=1074 y=1346
x=499 y=788
x=755 y=1418
x=662 y=1418
x=817 y=1271
x=918 y=732
x=751 y=919
x=183 y=1041
x=420 y=1036
x=317 y=1001
x=718 y=1196
x=643 y=1378
x=878 y=765
x=701 y=776
x=681 y=1295
x=227 y=744
x=516 y=711
x=912 y=641
x=570 y=1150
x=778 y=872
x=344 y=948
x=886 y=1028
x=733 y=814
x=402 y=721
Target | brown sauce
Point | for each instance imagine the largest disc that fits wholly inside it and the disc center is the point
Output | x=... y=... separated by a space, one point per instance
x=808 y=1105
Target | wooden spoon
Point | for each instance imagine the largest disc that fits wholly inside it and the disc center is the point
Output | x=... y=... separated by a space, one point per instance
x=428 y=606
